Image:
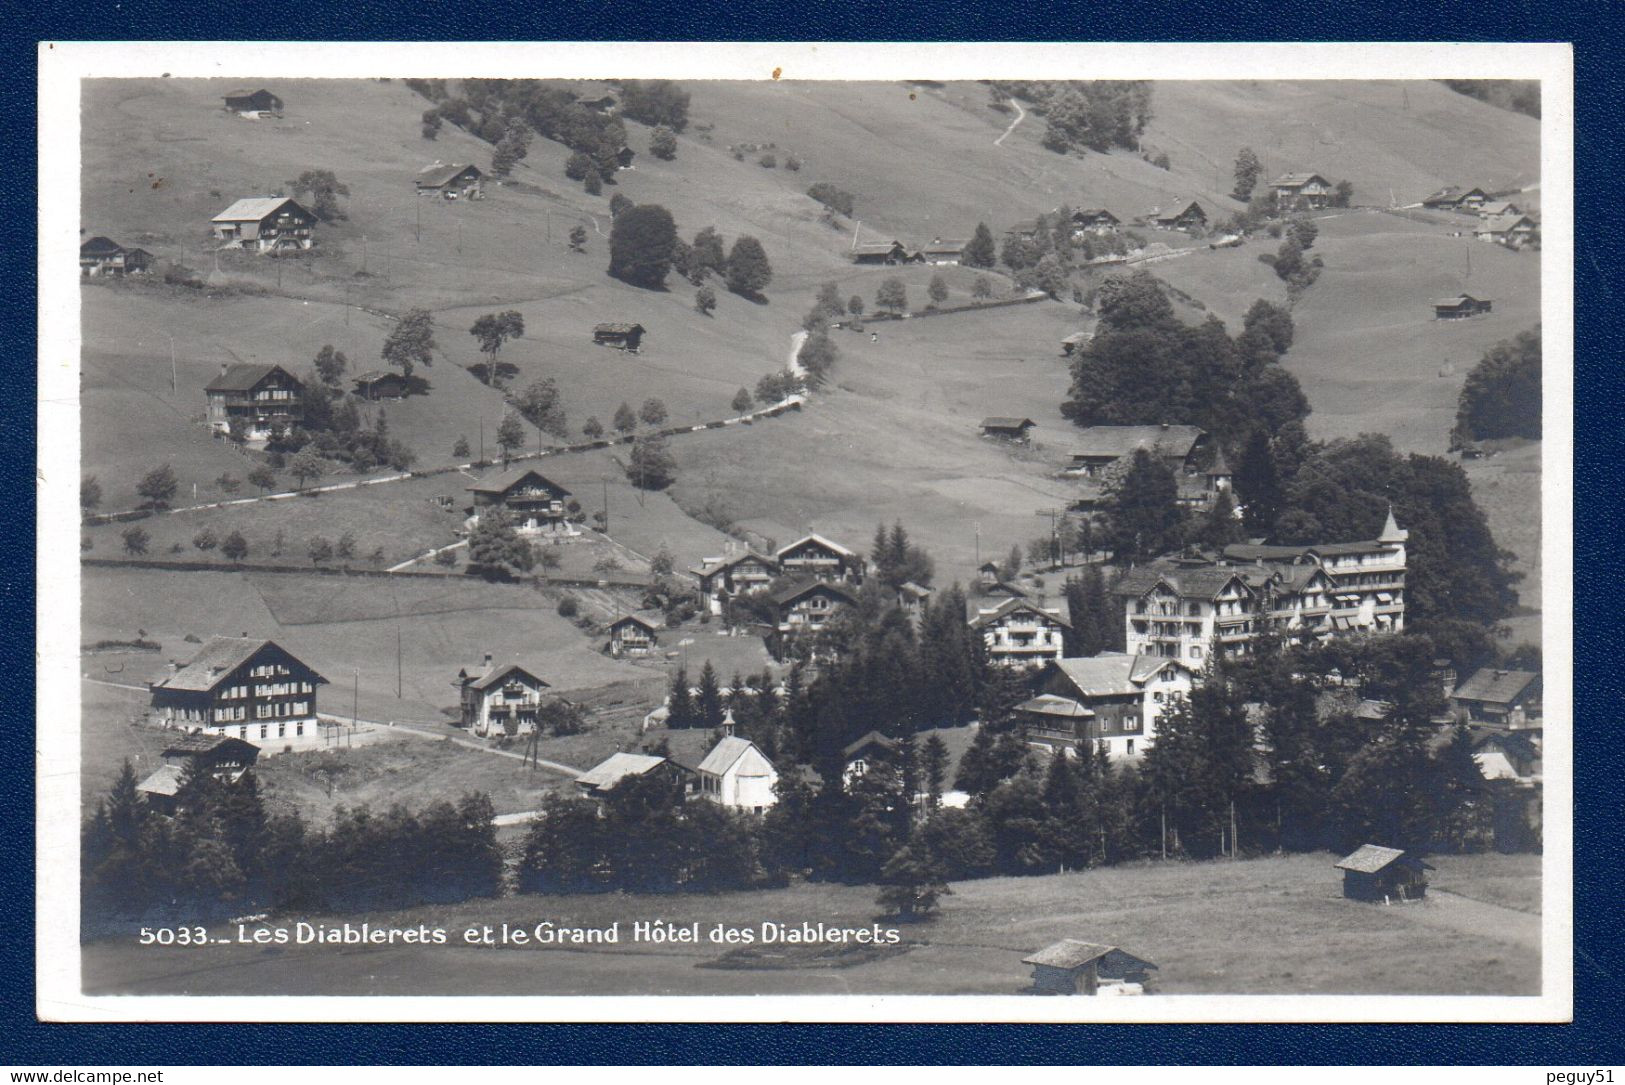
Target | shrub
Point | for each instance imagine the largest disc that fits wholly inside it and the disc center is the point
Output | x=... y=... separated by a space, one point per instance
x=768 y=162
x=568 y=607
x=833 y=197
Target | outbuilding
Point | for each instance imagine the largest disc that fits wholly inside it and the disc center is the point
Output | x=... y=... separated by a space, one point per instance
x=252 y=101
x=450 y=180
x=1460 y=307
x=377 y=384
x=1069 y=967
x=1007 y=429
x=626 y=337
x=632 y=635
x=1376 y=873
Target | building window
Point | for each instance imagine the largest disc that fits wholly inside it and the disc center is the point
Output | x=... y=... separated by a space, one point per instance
x=1129 y=749
x=299 y=728
x=281 y=730
x=263 y=729
x=1196 y=651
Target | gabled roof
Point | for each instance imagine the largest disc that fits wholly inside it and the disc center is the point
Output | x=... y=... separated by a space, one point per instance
x=1011 y=606
x=1049 y=704
x=725 y=754
x=1001 y=422
x=1501 y=224
x=441 y=174
x=716 y=565
x=100 y=246
x=821 y=541
x=1453 y=303
x=1112 y=673
x=376 y=376
x=644 y=622
x=165 y=781
x=218 y=657
x=1449 y=193
x=496 y=675
x=244 y=92
x=1496 y=686
x=617 y=766
x=875 y=248
x=1068 y=953
x=873 y=738
x=1101 y=442
x=507 y=480
x=244 y=377
x=1088 y=214
x=789 y=593
x=617 y=328
x=1188 y=582
x=1501 y=207
x=917 y=591
x=1297 y=180
x=1371 y=858
x=257 y=209
x=1262 y=552
x=1119 y=963
x=945 y=247
x=193 y=743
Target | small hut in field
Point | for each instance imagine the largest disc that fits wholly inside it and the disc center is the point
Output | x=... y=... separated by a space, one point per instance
x=1377 y=873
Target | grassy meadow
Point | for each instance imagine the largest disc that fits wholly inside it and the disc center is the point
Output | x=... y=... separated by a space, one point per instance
x=1265 y=926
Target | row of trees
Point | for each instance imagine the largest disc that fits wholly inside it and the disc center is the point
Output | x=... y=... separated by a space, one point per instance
x=224 y=854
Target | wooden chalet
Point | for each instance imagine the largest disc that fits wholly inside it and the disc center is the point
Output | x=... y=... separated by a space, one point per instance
x=1187 y=218
x=1094 y=220
x=627 y=337
x=624 y=157
x=451 y=181
x=1507 y=699
x=945 y=253
x=725 y=578
x=1110 y=701
x=863 y=752
x=1452 y=198
x=534 y=502
x=1460 y=307
x=805 y=605
x=259 y=396
x=1376 y=873
x=633 y=635
x=377 y=384
x=1515 y=231
x=1098 y=447
x=1007 y=429
x=244 y=100
x=911 y=600
x=1069 y=967
x=1074 y=343
x=240 y=686
x=103 y=256
x=599 y=780
x=1309 y=191
x=265 y=224
x=222 y=756
x=880 y=252
x=1499 y=207
x=1020 y=633
x=816 y=556
x=989 y=582
x=498 y=698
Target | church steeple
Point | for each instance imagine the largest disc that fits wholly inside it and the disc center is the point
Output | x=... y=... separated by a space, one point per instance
x=1391 y=531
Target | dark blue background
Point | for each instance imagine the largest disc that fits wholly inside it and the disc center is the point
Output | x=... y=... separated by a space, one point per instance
x=1593 y=27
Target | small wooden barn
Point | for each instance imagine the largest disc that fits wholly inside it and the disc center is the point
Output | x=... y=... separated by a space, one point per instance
x=377 y=384
x=1375 y=873
x=633 y=635
x=621 y=336
x=1007 y=429
x=252 y=101
x=1069 y=967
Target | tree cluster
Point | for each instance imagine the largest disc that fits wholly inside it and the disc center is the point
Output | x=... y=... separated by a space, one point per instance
x=1095 y=115
x=225 y=854
x=1502 y=394
x=655 y=102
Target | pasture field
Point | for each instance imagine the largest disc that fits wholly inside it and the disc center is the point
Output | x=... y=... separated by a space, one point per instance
x=1507 y=486
x=1265 y=926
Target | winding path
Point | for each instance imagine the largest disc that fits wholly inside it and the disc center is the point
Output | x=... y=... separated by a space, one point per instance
x=1021 y=115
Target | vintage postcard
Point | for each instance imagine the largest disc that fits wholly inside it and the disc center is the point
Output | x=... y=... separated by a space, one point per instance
x=805 y=532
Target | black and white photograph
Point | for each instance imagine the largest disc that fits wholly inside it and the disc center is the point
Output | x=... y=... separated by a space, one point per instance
x=1052 y=533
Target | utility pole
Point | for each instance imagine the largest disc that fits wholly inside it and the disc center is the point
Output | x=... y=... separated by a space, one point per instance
x=482 y=439
x=1054 y=533
x=363 y=252
x=417 y=232
x=355 y=701
x=172 y=378
x=397 y=657
x=605 y=481
x=978 y=544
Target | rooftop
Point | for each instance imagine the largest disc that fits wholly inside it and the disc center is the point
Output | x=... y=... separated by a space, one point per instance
x=242 y=377
x=218 y=657
x=617 y=766
x=1371 y=858
x=1068 y=953
x=1110 y=442
x=255 y=208
x=439 y=174
x=1111 y=673
x=507 y=480
x=724 y=754
x=1496 y=686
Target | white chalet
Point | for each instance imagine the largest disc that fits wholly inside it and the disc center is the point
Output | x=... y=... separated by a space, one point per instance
x=1020 y=633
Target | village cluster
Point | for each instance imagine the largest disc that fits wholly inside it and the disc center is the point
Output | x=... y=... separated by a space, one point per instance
x=1165 y=622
